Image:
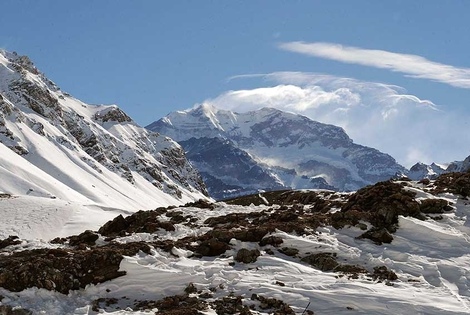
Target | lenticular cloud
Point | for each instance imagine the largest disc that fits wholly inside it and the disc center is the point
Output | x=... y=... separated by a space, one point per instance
x=412 y=65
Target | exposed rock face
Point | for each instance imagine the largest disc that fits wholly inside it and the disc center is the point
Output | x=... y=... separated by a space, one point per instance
x=268 y=149
x=242 y=174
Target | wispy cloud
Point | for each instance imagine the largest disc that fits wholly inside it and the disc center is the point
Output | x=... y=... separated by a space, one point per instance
x=379 y=115
x=412 y=65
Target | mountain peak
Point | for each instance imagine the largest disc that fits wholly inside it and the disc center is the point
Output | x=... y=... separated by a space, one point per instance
x=70 y=149
x=281 y=149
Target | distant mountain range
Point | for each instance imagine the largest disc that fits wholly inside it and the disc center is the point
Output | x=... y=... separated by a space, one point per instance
x=268 y=149
x=54 y=145
x=432 y=171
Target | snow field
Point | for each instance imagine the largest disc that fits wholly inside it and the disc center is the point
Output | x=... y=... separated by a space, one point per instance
x=431 y=259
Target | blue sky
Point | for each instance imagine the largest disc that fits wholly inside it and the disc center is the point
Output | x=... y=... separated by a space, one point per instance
x=154 y=57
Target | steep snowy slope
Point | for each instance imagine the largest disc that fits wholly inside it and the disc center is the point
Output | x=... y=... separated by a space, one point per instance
x=293 y=150
x=54 y=145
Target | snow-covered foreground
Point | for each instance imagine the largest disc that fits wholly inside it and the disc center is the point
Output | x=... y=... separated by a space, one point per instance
x=431 y=259
x=30 y=217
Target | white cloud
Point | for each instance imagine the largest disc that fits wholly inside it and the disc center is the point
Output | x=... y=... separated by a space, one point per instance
x=412 y=65
x=373 y=114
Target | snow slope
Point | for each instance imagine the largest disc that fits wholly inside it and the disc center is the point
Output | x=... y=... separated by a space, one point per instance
x=431 y=259
x=53 y=145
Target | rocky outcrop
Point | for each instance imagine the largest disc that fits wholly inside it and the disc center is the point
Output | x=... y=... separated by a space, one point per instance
x=139 y=222
x=11 y=240
x=456 y=183
x=64 y=270
x=247 y=256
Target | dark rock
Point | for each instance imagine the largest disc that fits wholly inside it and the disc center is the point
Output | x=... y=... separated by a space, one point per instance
x=254 y=234
x=425 y=181
x=231 y=305
x=191 y=288
x=289 y=251
x=434 y=206
x=212 y=247
x=139 y=222
x=114 y=227
x=8 y=310
x=456 y=183
x=378 y=235
x=271 y=240
x=383 y=273
x=269 y=251
x=322 y=261
x=10 y=240
x=88 y=238
x=63 y=270
x=112 y=114
x=103 y=302
x=247 y=256
x=382 y=203
x=278 y=306
x=201 y=203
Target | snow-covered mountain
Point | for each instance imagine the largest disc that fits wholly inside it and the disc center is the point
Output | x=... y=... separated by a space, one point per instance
x=421 y=170
x=270 y=149
x=459 y=166
x=53 y=145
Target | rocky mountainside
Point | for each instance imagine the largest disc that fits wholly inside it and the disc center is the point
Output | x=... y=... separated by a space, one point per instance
x=71 y=150
x=270 y=149
x=396 y=247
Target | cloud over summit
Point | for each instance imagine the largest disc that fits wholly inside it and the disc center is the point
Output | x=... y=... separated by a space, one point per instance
x=373 y=114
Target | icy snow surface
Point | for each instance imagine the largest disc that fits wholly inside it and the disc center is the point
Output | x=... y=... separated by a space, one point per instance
x=431 y=259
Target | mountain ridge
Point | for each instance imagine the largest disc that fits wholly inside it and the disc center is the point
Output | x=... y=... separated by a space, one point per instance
x=98 y=151
x=294 y=150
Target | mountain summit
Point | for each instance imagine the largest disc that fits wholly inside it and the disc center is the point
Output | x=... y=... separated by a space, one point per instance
x=268 y=149
x=53 y=145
